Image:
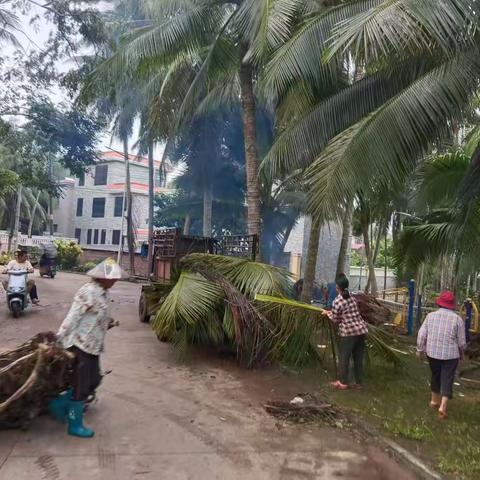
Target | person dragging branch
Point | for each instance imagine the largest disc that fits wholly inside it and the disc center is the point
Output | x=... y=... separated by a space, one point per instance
x=352 y=330
x=83 y=333
x=442 y=338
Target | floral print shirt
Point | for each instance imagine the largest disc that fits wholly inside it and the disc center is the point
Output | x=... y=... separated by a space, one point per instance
x=87 y=321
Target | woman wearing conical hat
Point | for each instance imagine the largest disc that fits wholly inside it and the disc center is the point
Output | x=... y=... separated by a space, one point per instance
x=83 y=333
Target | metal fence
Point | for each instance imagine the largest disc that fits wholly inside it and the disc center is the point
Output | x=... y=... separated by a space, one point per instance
x=25 y=240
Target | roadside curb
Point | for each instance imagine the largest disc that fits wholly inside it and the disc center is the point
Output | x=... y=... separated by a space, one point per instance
x=400 y=452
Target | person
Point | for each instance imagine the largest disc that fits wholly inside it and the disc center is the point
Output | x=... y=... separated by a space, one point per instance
x=352 y=330
x=21 y=263
x=83 y=333
x=442 y=338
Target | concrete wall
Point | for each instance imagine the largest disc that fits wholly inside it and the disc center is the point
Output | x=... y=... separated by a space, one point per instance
x=95 y=255
x=329 y=248
x=63 y=217
x=356 y=284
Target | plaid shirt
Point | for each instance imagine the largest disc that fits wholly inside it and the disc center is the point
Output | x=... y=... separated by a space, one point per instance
x=442 y=335
x=345 y=312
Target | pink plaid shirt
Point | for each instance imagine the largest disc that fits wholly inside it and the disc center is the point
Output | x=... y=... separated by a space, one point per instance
x=345 y=312
x=442 y=335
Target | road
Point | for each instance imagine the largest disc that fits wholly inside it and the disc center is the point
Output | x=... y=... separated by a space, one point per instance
x=158 y=418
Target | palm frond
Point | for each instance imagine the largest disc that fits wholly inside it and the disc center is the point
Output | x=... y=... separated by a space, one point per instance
x=303 y=140
x=391 y=27
x=440 y=179
x=302 y=57
x=383 y=148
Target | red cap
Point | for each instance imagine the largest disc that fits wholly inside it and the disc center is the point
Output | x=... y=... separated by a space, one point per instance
x=446 y=300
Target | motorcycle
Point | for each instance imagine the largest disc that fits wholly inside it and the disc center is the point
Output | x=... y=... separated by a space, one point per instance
x=47 y=266
x=17 y=291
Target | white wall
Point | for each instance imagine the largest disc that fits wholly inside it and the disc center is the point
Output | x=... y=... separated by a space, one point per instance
x=379 y=274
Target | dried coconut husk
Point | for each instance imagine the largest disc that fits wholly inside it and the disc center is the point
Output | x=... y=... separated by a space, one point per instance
x=371 y=309
x=30 y=376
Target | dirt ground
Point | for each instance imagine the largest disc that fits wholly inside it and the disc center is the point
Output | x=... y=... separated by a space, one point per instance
x=158 y=418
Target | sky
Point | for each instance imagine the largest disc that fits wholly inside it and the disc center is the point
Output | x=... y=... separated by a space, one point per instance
x=34 y=38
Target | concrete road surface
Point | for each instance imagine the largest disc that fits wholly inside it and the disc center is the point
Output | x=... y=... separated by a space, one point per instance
x=160 y=419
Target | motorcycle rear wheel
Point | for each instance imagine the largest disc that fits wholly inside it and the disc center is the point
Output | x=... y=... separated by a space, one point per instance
x=16 y=309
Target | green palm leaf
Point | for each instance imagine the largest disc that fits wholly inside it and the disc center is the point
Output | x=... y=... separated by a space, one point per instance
x=384 y=147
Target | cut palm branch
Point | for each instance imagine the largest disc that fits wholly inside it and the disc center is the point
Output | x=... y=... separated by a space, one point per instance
x=29 y=377
x=243 y=306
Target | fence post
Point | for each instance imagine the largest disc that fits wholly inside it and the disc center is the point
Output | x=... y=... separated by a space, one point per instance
x=419 y=310
x=411 y=305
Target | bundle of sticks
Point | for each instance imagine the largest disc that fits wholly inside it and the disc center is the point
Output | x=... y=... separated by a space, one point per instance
x=30 y=376
x=371 y=309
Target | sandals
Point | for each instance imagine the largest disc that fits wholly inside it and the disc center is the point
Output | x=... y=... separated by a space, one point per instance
x=434 y=406
x=442 y=415
x=339 y=385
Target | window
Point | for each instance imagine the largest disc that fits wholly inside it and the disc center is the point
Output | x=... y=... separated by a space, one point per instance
x=98 y=208
x=95 y=237
x=89 y=236
x=103 y=237
x=78 y=234
x=101 y=173
x=81 y=180
x=55 y=228
x=118 y=207
x=79 y=207
x=116 y=237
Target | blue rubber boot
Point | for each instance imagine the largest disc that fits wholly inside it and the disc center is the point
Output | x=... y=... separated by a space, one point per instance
x=58 y=406
x=75 y=421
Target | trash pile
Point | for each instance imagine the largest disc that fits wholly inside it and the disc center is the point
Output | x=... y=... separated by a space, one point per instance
x=30 y=376
x=306 y=408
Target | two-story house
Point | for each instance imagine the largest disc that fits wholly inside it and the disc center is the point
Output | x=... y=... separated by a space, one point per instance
x=90 y=209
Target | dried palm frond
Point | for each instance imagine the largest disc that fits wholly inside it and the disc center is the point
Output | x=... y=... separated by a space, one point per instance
x=30 y=376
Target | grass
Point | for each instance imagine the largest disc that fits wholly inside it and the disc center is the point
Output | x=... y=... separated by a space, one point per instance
x=396 y=402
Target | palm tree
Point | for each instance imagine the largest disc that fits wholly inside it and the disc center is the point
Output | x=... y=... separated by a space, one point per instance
x=421 y=69
x=9 y=24
x=226 y=43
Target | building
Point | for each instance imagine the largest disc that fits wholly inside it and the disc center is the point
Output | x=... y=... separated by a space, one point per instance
x=328 y=250
x=90 y=209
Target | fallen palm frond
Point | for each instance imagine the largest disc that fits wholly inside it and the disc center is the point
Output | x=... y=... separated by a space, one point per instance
x=29 y=376
x=243 y=306
x=379 y=341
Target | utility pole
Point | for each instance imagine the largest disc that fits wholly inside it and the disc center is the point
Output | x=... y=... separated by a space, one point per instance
x=16 y=226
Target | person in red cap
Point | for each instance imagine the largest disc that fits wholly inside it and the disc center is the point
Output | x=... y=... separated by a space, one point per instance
x=442 y=339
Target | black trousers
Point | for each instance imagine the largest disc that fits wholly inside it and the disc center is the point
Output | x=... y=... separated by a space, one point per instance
x=351 y=347
x=86 y=374
x=443 y=376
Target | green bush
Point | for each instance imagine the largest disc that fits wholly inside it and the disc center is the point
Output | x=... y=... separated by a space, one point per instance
x=85 y=267
x=5 y=257
x=68 y=253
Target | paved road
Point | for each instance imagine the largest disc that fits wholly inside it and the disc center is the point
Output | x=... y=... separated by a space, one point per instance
x=159 y=419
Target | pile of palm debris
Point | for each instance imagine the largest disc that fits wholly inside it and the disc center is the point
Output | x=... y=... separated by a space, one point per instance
x=473 y=347
x=306 y=408
x=30 y=376
x=372 y=311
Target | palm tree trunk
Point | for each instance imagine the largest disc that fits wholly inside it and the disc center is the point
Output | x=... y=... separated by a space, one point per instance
x=372 y=281
x=130 y=236
x=187 y=224
x=311 y=261
x=251 y=160
x=32 y=215
x=16 y=226
x=346 y=233
x=151 y=200
x=207 y=211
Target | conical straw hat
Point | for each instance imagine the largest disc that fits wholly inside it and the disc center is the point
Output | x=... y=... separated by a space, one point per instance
x=108 y=269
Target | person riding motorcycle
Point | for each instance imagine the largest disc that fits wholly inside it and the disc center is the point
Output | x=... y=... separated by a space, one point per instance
x=22 y=263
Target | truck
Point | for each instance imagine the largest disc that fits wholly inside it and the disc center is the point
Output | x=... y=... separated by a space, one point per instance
x=170 y=246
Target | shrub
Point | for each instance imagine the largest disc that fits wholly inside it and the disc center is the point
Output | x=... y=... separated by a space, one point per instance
x=68 y=253
x=5 y=257
x=85 y=267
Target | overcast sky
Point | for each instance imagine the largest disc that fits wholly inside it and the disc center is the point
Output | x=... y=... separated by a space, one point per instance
x=34 y=38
